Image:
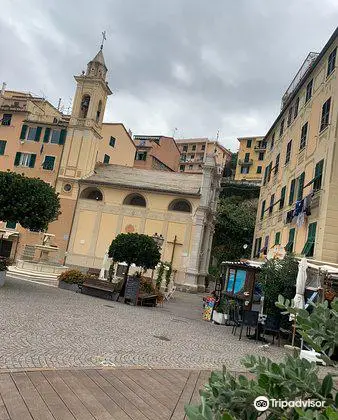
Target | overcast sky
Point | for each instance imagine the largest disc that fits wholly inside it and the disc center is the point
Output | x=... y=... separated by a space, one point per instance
x=197 y=65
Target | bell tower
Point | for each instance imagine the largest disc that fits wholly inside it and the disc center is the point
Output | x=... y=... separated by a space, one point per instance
x=81 y=143
x=85 y=125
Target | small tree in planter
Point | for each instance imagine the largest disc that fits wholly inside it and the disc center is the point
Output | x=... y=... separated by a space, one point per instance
x=134 y=248
x=4 y=263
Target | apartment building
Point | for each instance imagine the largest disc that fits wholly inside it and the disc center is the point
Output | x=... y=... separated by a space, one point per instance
x=156 y=152
x=194 y=152
x=250 y=160
x=298 y=203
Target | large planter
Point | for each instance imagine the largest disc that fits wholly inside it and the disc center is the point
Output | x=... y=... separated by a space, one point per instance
x=69 y=286
x=218 y=317
x=2 y=278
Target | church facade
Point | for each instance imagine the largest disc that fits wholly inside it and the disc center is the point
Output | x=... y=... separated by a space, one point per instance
x=100 y=199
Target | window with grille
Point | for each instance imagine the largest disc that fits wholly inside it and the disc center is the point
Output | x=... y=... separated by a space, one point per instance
x=309 y=90
x=6 y=119
x=281 y=128
x=288 y=152
x=303 y=136
x=331 y=62
x=48 y=163
x=324 y=122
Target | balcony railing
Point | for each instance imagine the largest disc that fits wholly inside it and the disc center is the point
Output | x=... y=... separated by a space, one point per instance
x=245 y=162
x=260 y=147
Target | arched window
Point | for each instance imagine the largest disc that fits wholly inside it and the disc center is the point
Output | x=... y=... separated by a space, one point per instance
x=180 y=205
x=98 y=112
x=84 y=106
x=92 y=193
x=135 y=200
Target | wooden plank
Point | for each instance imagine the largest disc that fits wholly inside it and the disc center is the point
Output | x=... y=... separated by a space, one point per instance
x=160 y=393
x=12 y=399
x=3 y=410
x=112 y=378
x=179 y=413
x=87 y=395
x=144 y=393
x=159 y=376
x=126 y=404
x=110 y=404
x=33 y=400
x=178 y=380
x=51 y=398
x=69 y=398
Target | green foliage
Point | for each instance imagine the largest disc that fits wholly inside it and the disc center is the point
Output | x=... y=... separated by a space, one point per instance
x=168 y=271
x=227 y=397
x=160 y=272
x=278 y=277
x=4 y=263
x=135 y=248
x=29 y=201
x=318 y=328
x=72 y=277
x=235 y=226
x=146 y=286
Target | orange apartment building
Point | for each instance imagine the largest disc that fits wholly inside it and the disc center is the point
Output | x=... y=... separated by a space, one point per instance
x=156 y=152
x=194 y=151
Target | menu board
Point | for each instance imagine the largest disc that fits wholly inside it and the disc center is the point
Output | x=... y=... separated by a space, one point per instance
x=132 y=289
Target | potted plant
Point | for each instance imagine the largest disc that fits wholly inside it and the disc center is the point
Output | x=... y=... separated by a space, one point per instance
x=4 y=263
x=220 y=314
x=71 y=279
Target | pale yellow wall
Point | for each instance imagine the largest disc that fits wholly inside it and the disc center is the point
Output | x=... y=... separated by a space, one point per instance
x=123 y=153
x=97 y=223
x=254 y=156
x=319 y=146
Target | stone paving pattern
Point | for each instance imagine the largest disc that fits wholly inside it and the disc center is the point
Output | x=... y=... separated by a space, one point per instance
x=46 y=327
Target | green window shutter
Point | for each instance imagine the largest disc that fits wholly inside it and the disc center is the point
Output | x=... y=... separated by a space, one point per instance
x=312 y=231
x=38 y=133
x=292 y=191
x=23 y=132
x=46 y=135
x=32 y=161
x=63 y=135
x=263 y=209
x=308 y=249
x=292 y=235
x=300 y=186
x=49 y=163
x=290 y=244
x=17 y=159
x=2 y=147
x=11 y=225
x=277 y=238
x=282 y=197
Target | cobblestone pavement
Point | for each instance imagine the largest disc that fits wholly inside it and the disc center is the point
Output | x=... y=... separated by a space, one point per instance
x=43 y=326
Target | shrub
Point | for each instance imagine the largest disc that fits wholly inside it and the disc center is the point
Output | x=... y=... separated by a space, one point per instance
x=4 y=263
x=227 y=397
x=146 y=286
x=72 y=277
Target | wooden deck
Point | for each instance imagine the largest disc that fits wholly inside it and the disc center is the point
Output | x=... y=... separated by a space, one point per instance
x=101 y=394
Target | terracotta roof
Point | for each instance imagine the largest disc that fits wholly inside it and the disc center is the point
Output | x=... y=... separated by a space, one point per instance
x=145 y=179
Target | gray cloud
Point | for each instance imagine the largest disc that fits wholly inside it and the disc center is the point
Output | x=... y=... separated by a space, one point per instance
x=197 y=65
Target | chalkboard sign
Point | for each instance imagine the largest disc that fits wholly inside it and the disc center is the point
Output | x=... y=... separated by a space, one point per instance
x=132 y=289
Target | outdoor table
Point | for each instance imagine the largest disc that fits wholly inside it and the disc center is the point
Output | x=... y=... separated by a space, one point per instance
x=261 y=322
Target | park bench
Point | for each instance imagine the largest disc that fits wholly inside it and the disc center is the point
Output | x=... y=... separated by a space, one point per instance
x=147 y=300
x=100 y=288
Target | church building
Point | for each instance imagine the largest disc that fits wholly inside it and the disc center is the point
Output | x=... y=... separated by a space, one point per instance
x=102 y=197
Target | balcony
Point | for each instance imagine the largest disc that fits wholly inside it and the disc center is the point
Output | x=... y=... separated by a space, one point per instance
x=261 y=146
x=245 y=162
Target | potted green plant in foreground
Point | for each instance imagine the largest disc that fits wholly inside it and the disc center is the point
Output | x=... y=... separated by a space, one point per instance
x=293 y=380
x=4 y=263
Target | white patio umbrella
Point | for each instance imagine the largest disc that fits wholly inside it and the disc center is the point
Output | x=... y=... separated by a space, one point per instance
x=298 y=300
x=102 y=275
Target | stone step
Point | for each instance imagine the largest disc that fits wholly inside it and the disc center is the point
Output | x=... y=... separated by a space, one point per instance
x=47 y=281
x=35 y=274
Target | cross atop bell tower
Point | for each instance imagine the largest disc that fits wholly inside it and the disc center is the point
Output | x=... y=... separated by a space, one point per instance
x=97 y=66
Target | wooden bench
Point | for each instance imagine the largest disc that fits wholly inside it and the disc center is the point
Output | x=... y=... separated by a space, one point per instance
x=99 y=288
x=147 y=300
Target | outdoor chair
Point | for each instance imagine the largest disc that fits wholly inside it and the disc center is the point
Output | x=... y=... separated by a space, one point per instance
x=272 y=324
x=236 y=317
x=250 y=320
